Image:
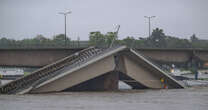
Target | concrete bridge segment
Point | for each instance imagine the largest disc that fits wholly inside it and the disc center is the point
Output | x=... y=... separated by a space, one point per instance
x=104 y=68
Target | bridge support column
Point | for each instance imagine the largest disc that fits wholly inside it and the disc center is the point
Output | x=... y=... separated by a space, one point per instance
x=106 y=82
x=110 y=81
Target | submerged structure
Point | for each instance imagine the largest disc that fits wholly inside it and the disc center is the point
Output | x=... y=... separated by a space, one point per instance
x=94 y=69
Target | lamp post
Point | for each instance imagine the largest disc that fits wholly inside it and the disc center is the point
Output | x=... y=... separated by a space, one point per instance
x=116 y=35
x=149 y=19
x=65 y=14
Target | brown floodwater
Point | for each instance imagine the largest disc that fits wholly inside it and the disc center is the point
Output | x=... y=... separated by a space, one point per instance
x=175 y=99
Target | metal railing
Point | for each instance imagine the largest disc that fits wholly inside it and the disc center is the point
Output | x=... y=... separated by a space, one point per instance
x=72 y=45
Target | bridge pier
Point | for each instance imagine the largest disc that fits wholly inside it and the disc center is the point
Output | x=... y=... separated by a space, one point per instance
x=106 y=82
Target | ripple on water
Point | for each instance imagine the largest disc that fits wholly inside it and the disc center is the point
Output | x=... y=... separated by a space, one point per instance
x=181 y=99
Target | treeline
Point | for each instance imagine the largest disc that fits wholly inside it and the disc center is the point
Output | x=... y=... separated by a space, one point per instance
x=41 y=41
x=158 y=39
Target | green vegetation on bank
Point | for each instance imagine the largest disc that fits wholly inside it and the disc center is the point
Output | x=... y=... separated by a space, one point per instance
x=158 y=39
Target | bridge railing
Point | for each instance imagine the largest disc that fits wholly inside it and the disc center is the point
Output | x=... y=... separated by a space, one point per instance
x=71 y=44
x=38 y=46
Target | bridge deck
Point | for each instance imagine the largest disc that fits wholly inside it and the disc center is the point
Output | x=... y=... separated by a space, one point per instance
x=88 y=64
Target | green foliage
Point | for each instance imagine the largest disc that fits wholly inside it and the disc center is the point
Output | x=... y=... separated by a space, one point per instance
x=5 y=41
x=193 y=38
x=60 y=40
x=38 y=41
x=197 y=43
x=158 y=39
x=129 y=41
x=101 y=40
x=109 y=37
x=97 y=38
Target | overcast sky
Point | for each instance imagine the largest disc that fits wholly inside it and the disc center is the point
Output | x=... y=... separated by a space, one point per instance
x=27 y=18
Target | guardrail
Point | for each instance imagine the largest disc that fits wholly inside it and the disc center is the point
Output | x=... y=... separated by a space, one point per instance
x=10 y=77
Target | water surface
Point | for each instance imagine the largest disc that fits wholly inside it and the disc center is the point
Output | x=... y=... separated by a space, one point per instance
x=175 y=99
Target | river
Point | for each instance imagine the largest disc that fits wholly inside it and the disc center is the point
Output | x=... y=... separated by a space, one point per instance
x=172 y=99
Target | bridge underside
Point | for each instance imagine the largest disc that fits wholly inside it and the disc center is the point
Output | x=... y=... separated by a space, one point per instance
x=105 y=72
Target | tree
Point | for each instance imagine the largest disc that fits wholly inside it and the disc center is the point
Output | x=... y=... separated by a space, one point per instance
x=158 y=38
x=97 y=39
x=193 y=38
x=60 y=39
x=197 y=43
x=110 y=36
x=40 y=40
x=129 y=41
x=102 y=40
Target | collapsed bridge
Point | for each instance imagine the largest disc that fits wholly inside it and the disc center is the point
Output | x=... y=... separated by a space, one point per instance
x=94 y=69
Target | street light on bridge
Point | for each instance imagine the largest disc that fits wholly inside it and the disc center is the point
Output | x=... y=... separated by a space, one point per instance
x=149 y=19
x=65 y=15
